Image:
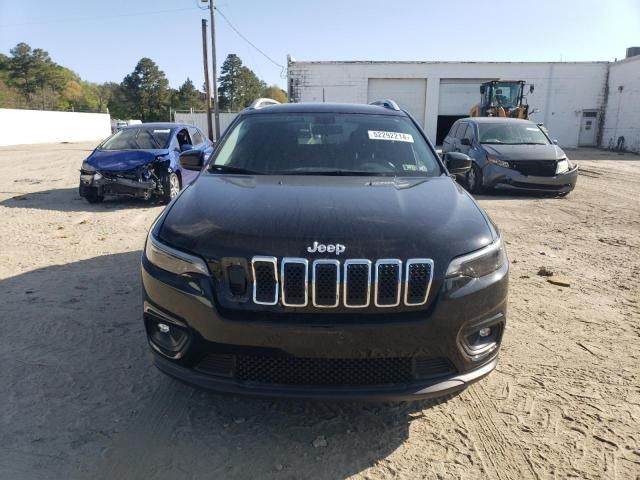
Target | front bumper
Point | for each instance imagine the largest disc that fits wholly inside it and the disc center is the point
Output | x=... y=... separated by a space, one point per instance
x=502 y=178
x=115 y=186
x=188 y=304
x=416 y=391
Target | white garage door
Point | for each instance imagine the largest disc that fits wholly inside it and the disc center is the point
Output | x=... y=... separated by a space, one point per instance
x=409 y=93
x=457 y=96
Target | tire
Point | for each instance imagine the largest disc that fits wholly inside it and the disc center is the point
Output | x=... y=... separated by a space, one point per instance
x=92 y=195
x=171 y=186
x=474 y=179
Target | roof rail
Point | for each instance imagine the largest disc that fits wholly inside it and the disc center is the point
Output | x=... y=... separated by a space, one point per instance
x=263 y=102
x=386 y=103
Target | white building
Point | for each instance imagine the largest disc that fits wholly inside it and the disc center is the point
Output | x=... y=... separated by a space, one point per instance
x=579 y=102
x=622 y=108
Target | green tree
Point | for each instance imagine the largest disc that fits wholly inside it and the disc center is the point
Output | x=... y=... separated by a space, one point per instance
x=239 y=86
x=10 y=97
x=275 y=92
x=104 y=92
x=188 y=96
x=146 y=89
x=116 y=100
x=22 y=70
x=39 y=80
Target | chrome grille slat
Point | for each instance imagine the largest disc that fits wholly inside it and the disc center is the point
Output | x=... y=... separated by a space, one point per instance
x=265 y=279
x=325 y=285
x=294 y=273
x=417 y=281
x=394 y=282
x=388 y=283
x=360 y=288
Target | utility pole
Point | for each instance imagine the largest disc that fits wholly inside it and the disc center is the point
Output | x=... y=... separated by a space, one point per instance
x=214 y=69
x=205 y=60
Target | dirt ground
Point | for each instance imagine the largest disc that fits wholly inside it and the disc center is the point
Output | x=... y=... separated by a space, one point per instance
x=80 y=398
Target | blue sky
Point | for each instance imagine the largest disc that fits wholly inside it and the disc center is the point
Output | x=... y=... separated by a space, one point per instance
x=103 y=40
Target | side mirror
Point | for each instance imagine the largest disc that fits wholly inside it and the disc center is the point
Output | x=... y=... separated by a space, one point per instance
x=555 y=141
x=531 y=88
x=457 y=163
x=185 y=147
x=482 y=89
x=192 y=160
x=465 y=141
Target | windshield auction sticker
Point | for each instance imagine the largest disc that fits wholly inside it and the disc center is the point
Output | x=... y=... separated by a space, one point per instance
x=391 y=136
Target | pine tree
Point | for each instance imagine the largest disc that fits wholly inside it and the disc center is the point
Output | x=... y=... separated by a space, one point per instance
x=147 y=91
x=239 y=85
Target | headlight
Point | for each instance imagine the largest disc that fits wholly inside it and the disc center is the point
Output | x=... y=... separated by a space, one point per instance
x=497 y=161
x=479 y=263
x=564 y=165
x=172 y=260
x=86 y=168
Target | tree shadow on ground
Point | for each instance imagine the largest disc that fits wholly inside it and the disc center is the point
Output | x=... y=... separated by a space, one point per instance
x=81 y=398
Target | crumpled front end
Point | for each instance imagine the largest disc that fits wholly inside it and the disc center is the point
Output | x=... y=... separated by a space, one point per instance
x=141 y=181
x=530 y=176
x=106 y=173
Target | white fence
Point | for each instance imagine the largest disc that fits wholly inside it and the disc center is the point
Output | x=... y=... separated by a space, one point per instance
x=200 y=120
x=19 y=127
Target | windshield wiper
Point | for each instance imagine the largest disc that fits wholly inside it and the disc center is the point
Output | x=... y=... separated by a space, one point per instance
x=335 y=172
x=230 y=169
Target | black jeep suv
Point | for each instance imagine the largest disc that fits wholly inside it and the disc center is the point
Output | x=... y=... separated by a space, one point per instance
x=325 y=251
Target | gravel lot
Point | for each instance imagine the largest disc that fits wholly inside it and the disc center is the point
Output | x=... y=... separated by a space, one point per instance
x=80 y=398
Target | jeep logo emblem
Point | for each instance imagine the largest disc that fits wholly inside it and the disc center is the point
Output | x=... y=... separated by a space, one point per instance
x=330 y=248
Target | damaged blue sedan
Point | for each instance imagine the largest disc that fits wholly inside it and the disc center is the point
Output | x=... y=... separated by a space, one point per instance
x=142 y=161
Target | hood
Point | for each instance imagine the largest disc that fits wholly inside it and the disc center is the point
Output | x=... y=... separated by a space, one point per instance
x=373 y=217
x=120 y=160
x=525 y=152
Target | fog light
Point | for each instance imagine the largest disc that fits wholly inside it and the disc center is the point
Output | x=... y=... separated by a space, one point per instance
x=479 y=339
x=170 y=339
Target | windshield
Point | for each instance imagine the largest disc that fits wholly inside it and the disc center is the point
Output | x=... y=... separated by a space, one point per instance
x=326 y=144
x=506 y=95
x=512 y=134
x=138 y=139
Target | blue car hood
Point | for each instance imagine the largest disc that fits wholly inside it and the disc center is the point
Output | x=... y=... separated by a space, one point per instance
x=121 y=160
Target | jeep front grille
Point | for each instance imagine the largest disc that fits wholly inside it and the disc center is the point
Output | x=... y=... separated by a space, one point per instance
x=326 y=283
x=387 y=283
x=265 y=280
x=294 y=273
x=357 y=283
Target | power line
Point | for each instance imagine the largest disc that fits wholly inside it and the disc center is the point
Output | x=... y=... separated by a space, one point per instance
x=101 y=17
x=283 y=68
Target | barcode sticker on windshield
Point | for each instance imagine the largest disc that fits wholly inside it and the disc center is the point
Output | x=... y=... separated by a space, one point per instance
x=392 y=136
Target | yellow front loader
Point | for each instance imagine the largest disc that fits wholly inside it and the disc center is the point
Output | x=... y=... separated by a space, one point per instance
x=502 y=98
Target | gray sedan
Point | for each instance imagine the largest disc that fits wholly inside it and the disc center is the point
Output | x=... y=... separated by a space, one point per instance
x=511 y=154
